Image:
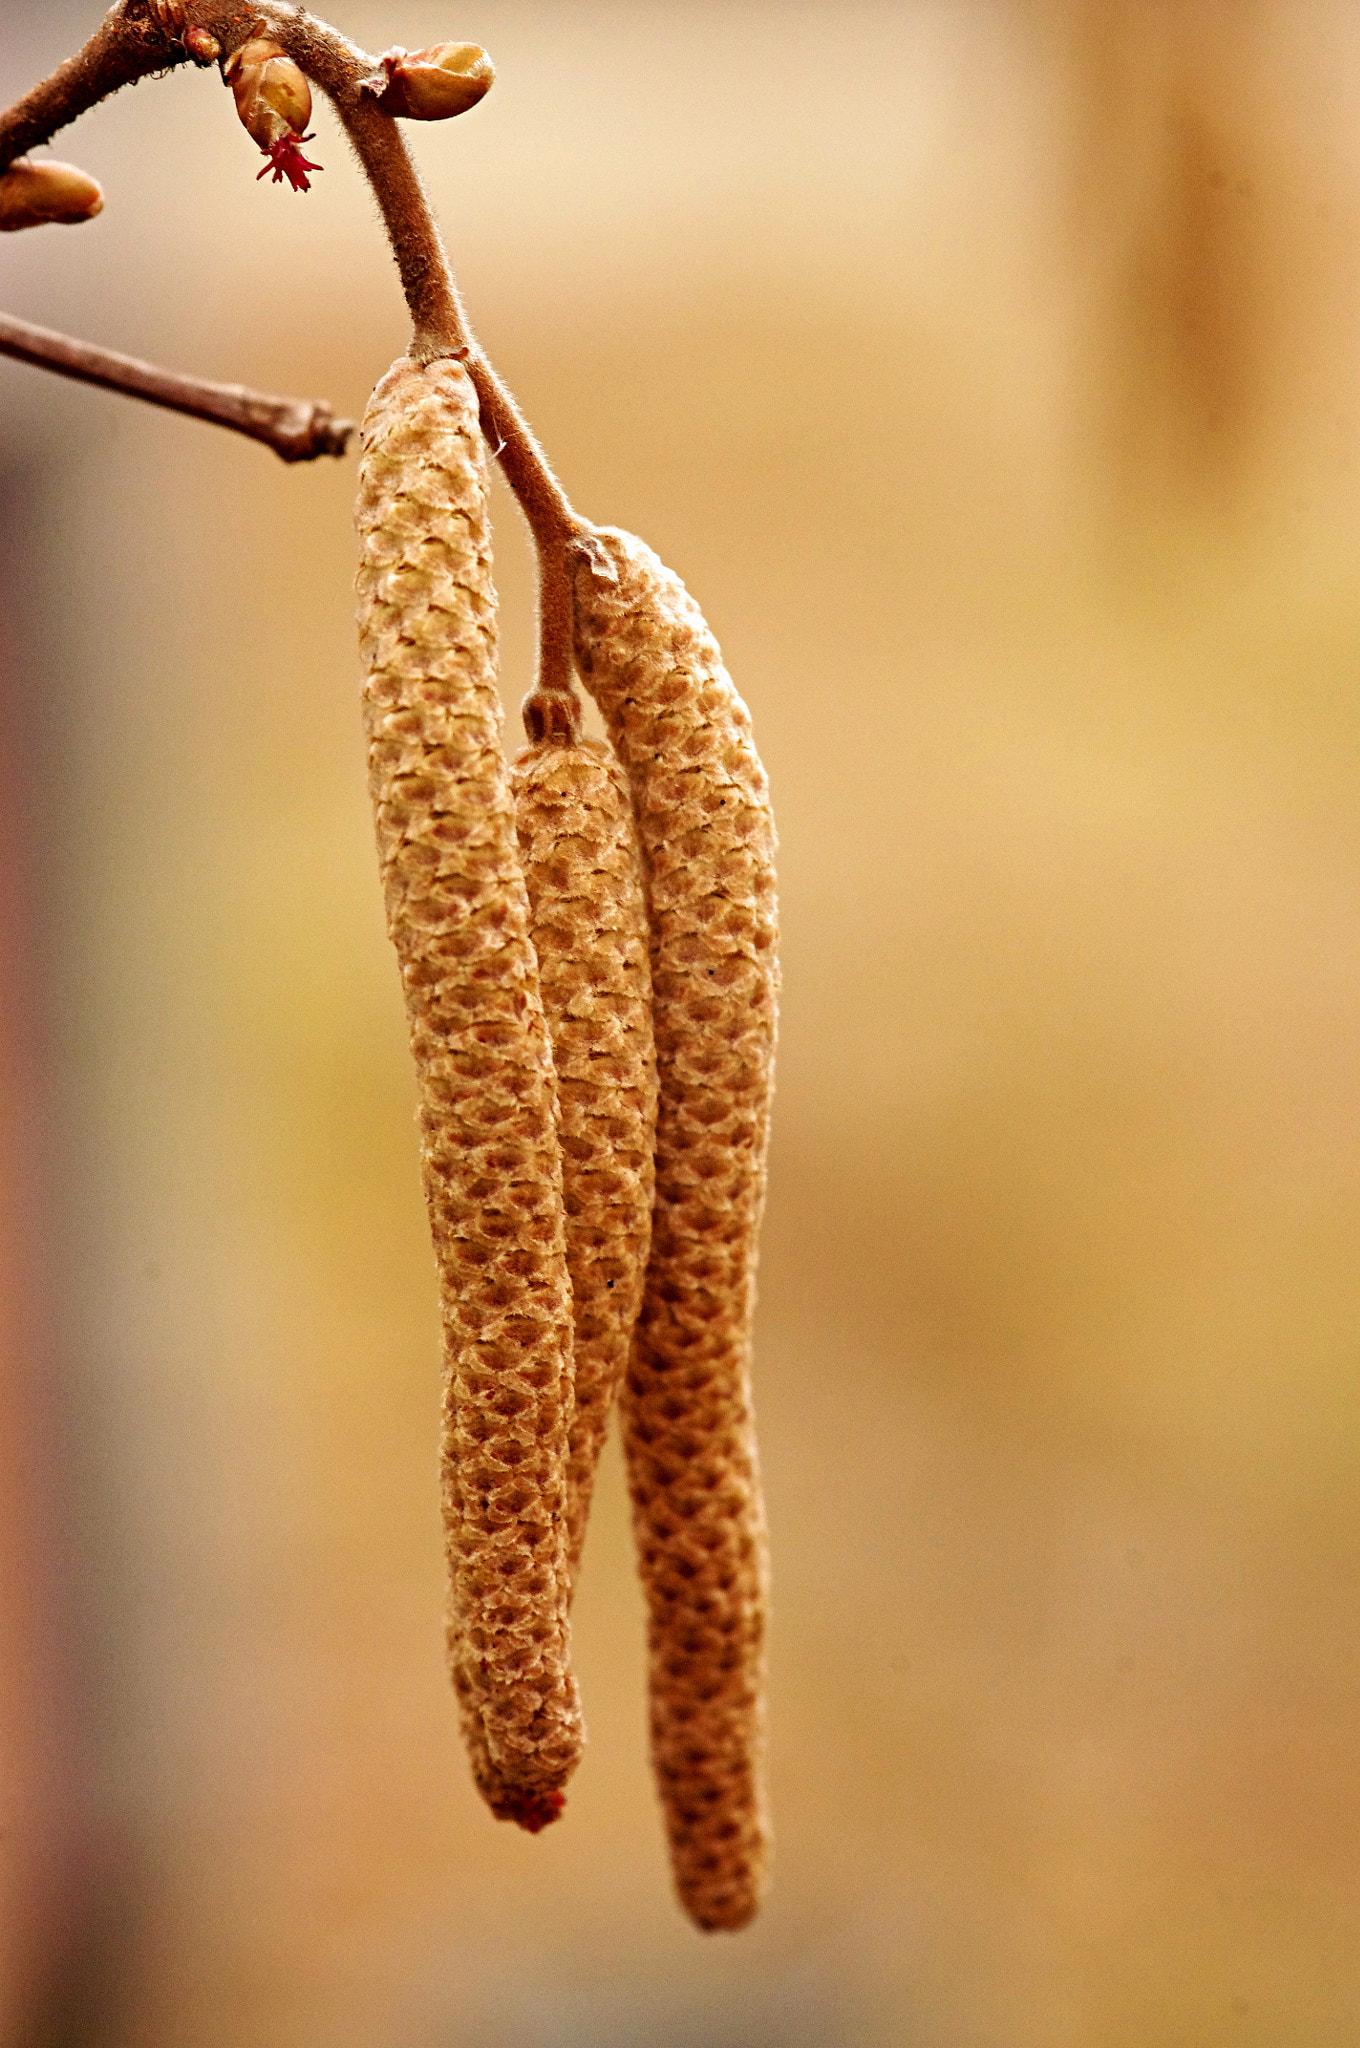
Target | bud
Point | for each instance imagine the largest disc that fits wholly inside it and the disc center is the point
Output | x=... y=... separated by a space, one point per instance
x=435 y=84
x=33 y=194
x=272 y=96
x=203 y=48
x=170 y=18
x=274 y=102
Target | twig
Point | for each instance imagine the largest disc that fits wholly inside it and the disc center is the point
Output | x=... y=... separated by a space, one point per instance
x=297 y=429
x=129 y=46
x=126 y=46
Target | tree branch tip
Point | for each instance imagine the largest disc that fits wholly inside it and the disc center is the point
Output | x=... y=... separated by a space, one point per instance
x=297 y=429
x=323 y=434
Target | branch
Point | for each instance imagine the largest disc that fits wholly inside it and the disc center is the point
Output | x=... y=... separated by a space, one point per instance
x=352 y=81
x=130 y=45
x=295 y=428
x=126 y=46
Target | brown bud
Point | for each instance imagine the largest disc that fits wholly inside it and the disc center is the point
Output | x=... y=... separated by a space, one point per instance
x=437 y=83
x=33 y=194
x=273 y=98
x=202 y=47
x=168 y=16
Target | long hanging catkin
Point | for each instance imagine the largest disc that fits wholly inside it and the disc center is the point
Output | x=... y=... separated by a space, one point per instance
x=588 y=919
x=684 y=737
x=458 y=915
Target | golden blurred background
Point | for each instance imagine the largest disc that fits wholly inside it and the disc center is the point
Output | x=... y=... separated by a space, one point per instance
x=990 y=369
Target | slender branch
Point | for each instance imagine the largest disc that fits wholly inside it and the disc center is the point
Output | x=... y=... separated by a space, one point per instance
x=297 y=429
x=129 y=45
x=126 y=46
x=440 y=321
x=441 y=327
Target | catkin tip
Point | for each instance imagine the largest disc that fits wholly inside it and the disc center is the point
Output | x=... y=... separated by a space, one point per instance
x=532 y=1811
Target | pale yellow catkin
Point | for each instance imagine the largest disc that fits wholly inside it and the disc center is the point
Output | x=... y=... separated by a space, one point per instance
x=704 y=818
x=459 y=918
x=588 y=919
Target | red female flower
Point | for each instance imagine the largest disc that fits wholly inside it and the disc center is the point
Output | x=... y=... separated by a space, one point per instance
x=285 y=160
x=274 y=102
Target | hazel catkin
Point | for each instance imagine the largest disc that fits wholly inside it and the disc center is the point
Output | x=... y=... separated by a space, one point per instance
x=588 y=920
x=707 y=832
x=459 y=918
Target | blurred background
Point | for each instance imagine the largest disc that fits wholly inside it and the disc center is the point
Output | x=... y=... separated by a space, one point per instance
x=990 y=369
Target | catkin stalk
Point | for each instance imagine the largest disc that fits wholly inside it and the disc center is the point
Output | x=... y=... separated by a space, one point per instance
x=588 y=920
x=684 y=737
x=458 y=915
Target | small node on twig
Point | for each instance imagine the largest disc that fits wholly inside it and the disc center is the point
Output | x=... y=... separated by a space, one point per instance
x=202 y=47
x=169 y=17
x=172 y=21
x=32 y=194
x=274 y=103
x=552 y=717
x=433 y=84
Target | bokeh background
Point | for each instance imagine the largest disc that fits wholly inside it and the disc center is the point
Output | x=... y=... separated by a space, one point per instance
x=991 y=371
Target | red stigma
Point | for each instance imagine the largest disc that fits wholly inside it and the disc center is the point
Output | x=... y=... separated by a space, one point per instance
x=286 y=160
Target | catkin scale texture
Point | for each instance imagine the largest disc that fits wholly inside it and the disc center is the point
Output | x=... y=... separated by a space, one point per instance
x=707 y=834
x=588 y=920
x=458 y=915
